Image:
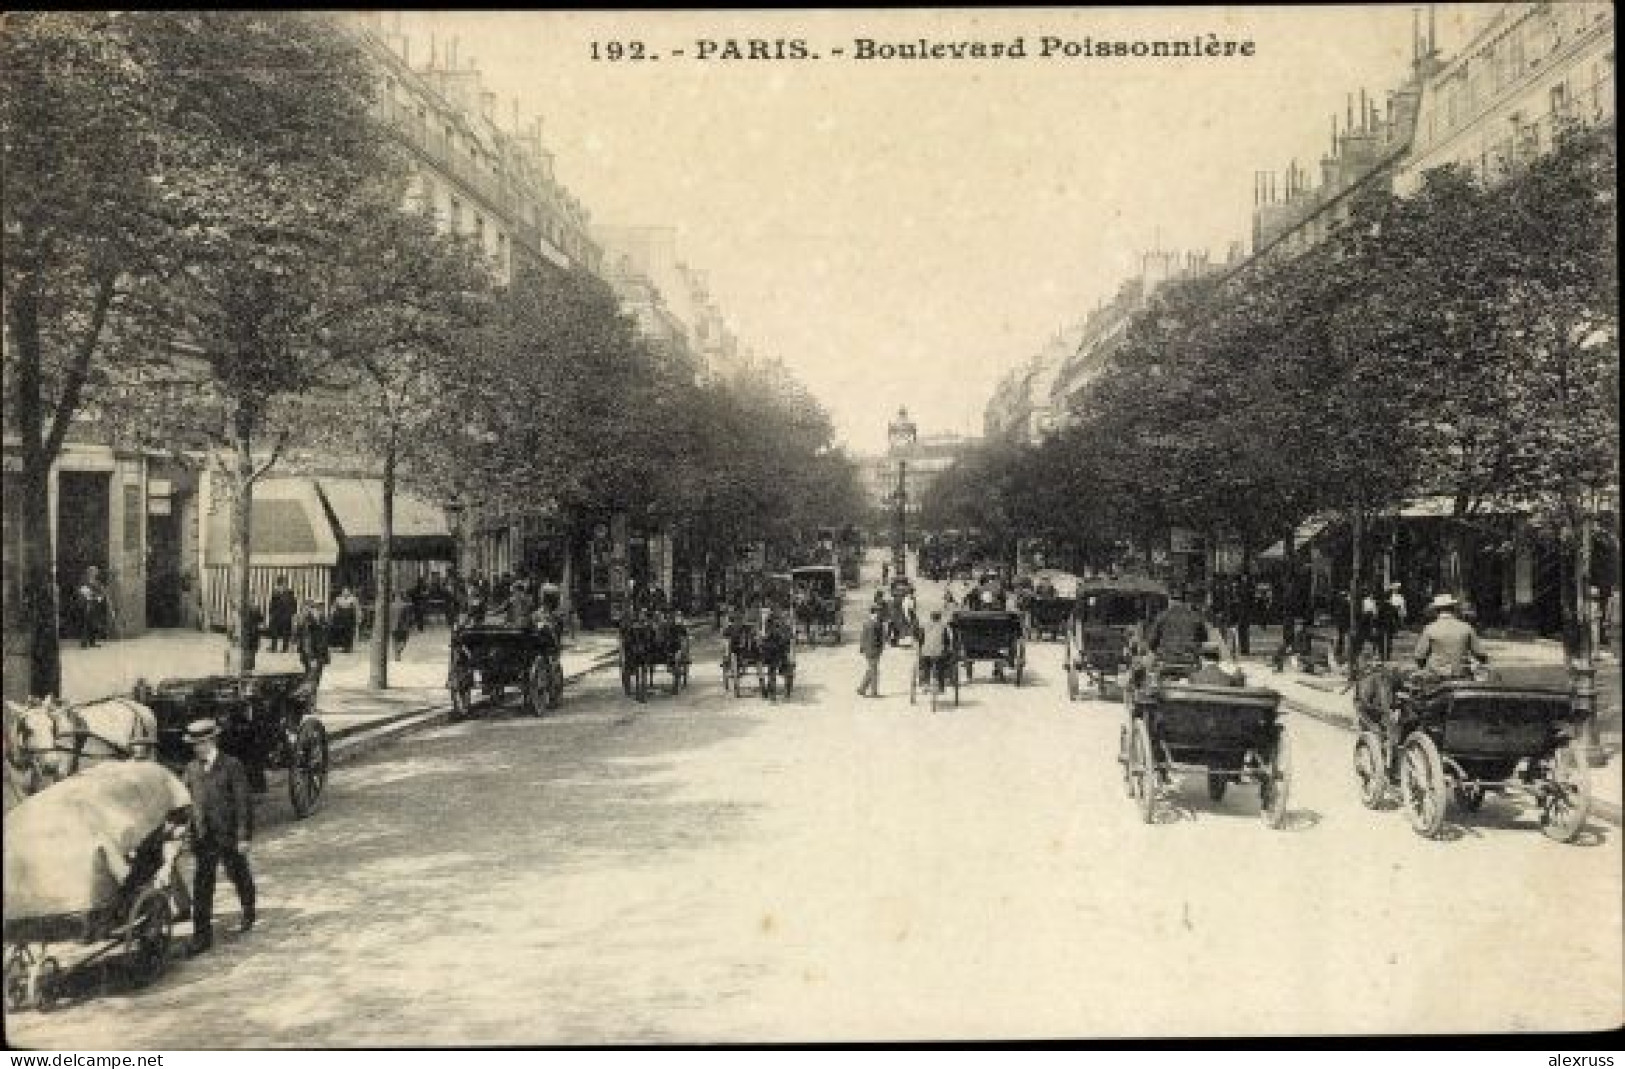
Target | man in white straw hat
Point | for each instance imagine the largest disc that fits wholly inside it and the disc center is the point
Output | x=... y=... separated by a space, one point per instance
x=222 y=826
x=1446 y=644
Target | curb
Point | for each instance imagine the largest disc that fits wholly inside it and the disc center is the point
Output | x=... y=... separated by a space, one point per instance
x=1601 y=808
x=347 y=744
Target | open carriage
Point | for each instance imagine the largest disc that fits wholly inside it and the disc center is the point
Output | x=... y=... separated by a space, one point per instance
x=1048 y=616
x=648 y=642
x=494 y=657
x=1106 y=630
x=1227 y=734
x=994 y=635
x=92 y=878
x=1460 y=740
x=267 y=721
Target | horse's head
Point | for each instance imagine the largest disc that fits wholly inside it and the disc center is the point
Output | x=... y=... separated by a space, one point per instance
x=38 y=736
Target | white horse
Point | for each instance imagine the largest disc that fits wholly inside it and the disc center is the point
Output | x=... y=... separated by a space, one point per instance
x=47 y=740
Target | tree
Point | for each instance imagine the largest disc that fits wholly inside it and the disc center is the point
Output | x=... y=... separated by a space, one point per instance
x=404 y=306
x=270 y=169
x=80 y=145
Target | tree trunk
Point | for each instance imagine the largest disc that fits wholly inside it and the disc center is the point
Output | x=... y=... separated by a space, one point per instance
x=1356 y=572
x=384 y=572
x=39 y=576
x=242 y=513
x=1243 y=607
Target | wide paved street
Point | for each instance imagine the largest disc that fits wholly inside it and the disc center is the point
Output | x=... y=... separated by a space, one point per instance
x=705 y=868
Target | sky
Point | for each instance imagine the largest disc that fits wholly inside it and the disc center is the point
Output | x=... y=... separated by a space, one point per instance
x=905 y=232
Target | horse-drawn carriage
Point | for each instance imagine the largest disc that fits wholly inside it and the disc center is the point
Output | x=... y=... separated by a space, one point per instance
x=1229 y=734
x=763 y=645
x=818 y=603
x=267 y=722
x=1457 y=740
x=1048 y=615
x=1106 y=629
x=648 y=642
x=91 y=877
x=991 y=635
x=494 y=657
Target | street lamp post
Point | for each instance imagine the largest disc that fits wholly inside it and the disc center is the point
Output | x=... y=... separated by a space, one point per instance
x=454 y=512
x=901 y=433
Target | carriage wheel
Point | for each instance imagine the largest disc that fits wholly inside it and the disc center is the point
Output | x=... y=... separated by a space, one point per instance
x=537 y=683
x=462 y=692
x=1369 y=774
x=1216 y=784
x=789 y=680
x=307 y=770
x=1421 y=784
x=146 y=942
x=555 y=689
x=1072 y=689
x=1142 y=772
x=1277 y=785
x=1566 y=801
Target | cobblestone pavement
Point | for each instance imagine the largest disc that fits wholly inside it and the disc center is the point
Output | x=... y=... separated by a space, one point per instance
x=707 y=868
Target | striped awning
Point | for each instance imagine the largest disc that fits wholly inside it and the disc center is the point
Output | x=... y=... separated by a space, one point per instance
x=289 y=527
x=418 y=528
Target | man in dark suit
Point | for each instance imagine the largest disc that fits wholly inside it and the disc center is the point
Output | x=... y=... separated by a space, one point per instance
x=283 y=608
x=222 y=827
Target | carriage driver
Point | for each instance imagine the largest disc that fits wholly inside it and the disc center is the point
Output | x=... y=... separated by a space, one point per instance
x=1446 y=645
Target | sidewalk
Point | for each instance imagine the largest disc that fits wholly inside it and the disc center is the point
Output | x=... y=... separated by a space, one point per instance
x=356 y=717
x=1539 y=662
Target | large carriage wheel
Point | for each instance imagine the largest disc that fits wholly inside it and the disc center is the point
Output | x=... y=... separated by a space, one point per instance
x=1566 y=799
x=1421 y=784
x=1277 y=783
x=307 y=767
x=1369 y=774
x=538 y=681
x=146 y=940
x=1141 y=770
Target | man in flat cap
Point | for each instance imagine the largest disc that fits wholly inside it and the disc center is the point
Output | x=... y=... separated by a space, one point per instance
x=222 y=827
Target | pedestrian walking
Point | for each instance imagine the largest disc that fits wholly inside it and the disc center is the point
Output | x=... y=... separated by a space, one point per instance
x=346 y=617
x=418 y=595
x=92 y=594
x=222 y=829
x=400 y=623
x=280 y=613
x=871 y=644
x=311 y=639
x=1390 y=617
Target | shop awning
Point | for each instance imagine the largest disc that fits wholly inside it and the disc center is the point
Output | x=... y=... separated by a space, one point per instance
x=357 y=507
x=289 y=529
x=1307 y=532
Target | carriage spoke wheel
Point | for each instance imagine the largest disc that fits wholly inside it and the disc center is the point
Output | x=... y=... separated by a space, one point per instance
x=47 y=984
x=1422 y=786
x=1369 y=775
x=1277 y=785
x=538 y=681
x=307 y=771
x=146 y=942
x=1567 y=798
x=1142 y=772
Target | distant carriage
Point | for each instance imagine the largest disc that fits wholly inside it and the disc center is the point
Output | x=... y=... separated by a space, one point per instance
x=995 y=636
x=819 y=612
x=648 y=643
x=1107 y=628
x=763 y=648
x=494 y=657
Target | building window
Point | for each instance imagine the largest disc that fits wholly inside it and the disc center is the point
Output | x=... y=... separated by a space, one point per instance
x=1560 y=101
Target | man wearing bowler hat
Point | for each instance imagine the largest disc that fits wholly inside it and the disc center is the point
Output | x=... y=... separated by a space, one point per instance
x=222 y=827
